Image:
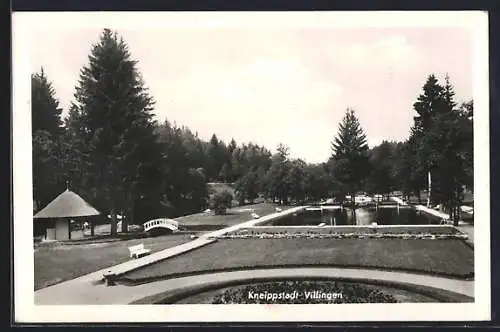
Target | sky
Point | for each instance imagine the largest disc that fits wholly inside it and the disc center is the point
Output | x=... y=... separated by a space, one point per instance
x=272 y=85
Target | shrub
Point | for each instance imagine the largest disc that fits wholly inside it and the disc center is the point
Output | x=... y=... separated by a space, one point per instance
x=222 y=201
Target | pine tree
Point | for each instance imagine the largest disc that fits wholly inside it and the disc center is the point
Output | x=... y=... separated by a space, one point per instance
x=115 y=109
x=227 y=173
x=47 y=182
x=349 y=155
x=45 y=110
x=451 y=135
x=216 y=152
x=443 y=140
x=428 y=105
x=448 y=95
x=46 y=128
x=184 y=184
x=232 y=146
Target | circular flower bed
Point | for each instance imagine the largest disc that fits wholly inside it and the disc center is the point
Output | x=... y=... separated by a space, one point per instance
x=303 y=292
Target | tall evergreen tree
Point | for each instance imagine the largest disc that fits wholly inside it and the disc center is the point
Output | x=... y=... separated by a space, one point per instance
x=46 y=128
x=428 y=105
x=443 y=138
x=449 y=138
x=47 y=180
x=349 y=155
x=45 y=110
x=227 y=171
x=232 y=146
x=218 y=157
x=184 y=184
x=115 y=109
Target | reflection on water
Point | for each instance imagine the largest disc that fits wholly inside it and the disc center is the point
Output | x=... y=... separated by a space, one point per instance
x=362 y=216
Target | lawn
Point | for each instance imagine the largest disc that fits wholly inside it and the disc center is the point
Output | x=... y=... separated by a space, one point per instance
x=441 y=257
x=234 y=215
x=59 y=263
x=63 y=262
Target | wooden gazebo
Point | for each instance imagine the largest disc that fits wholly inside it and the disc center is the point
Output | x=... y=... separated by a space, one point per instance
x=63 y=208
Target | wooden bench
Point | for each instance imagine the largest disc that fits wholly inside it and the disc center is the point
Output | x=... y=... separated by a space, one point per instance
x=138 y=251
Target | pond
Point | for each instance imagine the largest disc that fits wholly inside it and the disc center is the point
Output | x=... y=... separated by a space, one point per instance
x=363 y=216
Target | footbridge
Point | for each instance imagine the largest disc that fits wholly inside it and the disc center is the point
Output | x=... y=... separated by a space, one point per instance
x=161 y=223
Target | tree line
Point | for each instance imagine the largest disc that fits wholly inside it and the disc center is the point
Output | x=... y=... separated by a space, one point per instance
x=116 y=156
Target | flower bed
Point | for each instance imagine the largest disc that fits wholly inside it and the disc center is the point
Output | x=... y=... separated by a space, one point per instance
x=313 y=235
x=434 y=229
x=303 y=292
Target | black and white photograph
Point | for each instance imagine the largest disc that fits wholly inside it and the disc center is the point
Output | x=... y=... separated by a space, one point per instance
x=305 y=166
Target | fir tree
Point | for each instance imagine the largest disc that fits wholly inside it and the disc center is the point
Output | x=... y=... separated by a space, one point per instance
x=349 y=155
x=444 y=145
x=184 y=184
x=45 y=110
x=428 y=105
x=115 y=109
x=46 y=128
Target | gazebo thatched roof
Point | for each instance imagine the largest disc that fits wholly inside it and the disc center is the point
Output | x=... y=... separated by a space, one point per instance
x=67 y=205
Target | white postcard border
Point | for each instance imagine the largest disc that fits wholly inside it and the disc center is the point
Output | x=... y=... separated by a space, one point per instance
x=25 y=309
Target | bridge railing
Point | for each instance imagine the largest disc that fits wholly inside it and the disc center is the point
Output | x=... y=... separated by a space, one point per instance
x=161 y=222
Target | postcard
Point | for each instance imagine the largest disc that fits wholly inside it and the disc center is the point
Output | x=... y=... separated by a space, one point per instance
x=251 y=166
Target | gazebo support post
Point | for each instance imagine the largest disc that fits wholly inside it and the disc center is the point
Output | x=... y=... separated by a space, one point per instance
x=69 y=228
